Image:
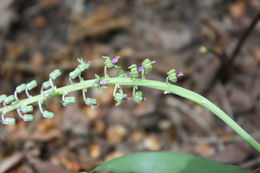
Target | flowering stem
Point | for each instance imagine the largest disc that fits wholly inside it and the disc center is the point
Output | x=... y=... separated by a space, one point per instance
x=145 y=83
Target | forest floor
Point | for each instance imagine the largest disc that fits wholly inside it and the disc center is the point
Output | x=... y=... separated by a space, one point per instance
x=38 y=36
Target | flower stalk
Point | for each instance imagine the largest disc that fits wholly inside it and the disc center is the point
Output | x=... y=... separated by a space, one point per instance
x=132 y=79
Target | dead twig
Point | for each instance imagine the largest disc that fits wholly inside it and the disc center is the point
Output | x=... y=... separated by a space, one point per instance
x=242 y=40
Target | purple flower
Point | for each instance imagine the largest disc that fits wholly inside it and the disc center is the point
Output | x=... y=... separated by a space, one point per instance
x=179 y=74
x=115 y=59
x=126 y=98
x=103 y=82
x=141 y=68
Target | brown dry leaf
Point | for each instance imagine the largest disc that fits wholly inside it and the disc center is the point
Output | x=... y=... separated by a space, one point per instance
x=92 y=114
x=237 y=9
x=256 y=54
x=151 y=1
x=152 y=142
x=10 y=162
x=147 y=107
x=227 y=137
x=99 y=126
x=88 y=163
x=116 y=133
x=95 y=149
x=99 y=23
x=69 y=162
x=204 y=150
x=48 y=3
x=137 y=136
x=106 y=97
x=43 y=167
x=39 y=22
x=37 y=59
x=114 y=155
x=172 y=135
x=126 y=52
x=7 y=14
x=75 y=121
x=19 y=169
x=46 y=136
x=47 y=124
x=233 y=153
x=15 y=50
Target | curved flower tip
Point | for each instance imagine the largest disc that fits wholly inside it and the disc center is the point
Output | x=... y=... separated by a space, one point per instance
x=153 y=62
x=126 y=98
x=141 y=68
x=103 y=82
x=179 y=74
x=115 y=59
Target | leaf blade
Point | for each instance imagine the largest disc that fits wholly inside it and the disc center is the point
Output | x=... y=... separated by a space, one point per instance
x=166 y=162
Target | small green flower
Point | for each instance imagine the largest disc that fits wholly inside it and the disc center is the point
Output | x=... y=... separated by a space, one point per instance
x=49 y=92
x=2 y=98
x=204 y=49
x=47 y=114
x=69 y=101
x=9 y=99
x=138 y=97
x=28 y=117
x=110 y=63
x=20 y=88
x=46 y=85
x=148 y=65
x=55 y=74
x=121 y=73
x=83 y=65
x=91 y=102
x=100 y=82
x=9 y=121
x=119 y=96
x=75 y=73
x=27 y=109
x=172 y=76
x=133 y=71
x=31 y=85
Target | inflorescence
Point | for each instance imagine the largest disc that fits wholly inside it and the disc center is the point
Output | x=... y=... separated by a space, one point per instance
x=49 y=88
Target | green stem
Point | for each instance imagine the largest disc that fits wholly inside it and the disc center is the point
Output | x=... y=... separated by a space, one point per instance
x=150 y=84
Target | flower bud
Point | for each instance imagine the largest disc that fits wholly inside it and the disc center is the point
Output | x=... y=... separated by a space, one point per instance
x=83 y=66
x=31 y=85
x=69 y=101
x=27 y=109
x=55 y=74
x=172 y=76
x=147 y=65
x=91 y=101
x=138 y=97
x=9 y=99
x=48 y=92
x=47 y=114
x=2 y=98
x=20 y=88
x=46 y=85
x=28 y=117
x=9 y=121
x=75 y=73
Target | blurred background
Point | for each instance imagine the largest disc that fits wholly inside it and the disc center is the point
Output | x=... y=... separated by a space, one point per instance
x=38 y=36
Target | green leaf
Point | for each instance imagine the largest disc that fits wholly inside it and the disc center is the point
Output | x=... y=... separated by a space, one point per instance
x=165 y=162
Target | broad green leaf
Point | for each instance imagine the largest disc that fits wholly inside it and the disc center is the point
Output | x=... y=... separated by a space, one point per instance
x=165 y=162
